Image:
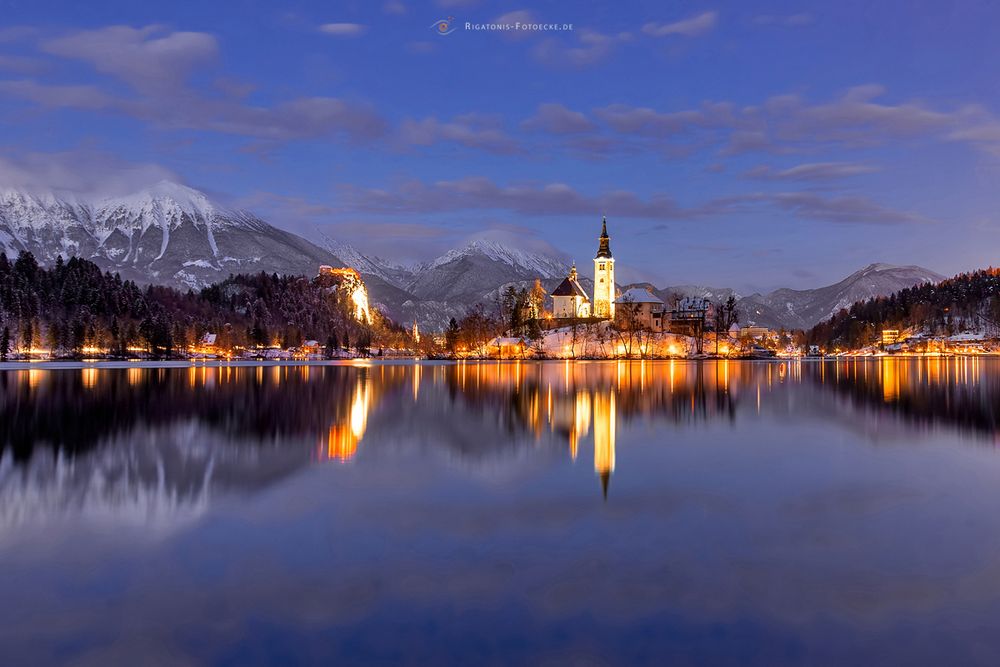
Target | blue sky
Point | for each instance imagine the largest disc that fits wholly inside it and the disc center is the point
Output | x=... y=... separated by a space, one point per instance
x=746 y=144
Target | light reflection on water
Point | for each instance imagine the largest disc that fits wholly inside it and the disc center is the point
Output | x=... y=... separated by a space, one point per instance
x=590 y=512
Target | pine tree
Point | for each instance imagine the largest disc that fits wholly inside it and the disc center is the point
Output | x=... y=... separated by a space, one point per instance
x=451 y=336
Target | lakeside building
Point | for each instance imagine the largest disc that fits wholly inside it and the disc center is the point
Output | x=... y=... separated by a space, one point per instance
x=749 y=331
x=570 y=300
x=604 y=276
x=890 y=336
x=642 y=307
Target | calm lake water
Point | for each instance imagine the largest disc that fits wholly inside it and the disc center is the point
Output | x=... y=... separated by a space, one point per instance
x=596 y=513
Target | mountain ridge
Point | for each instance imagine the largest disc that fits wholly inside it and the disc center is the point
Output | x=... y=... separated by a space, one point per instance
x=172 y=234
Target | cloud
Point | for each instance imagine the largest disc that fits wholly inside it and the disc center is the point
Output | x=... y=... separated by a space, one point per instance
x=854 y=118
x=77 y=97
x=816 y=207
x=646 y=121
x=83 y=171
x=158 y=65
x=559 y=199
x=587 y=47
x=343 y=29
x=522 y=16
x=479 y=193
x=557 y=119
x=148 y=59
x=816 y=171
x=393 y=7
x=693 y=26
x=17 y=33
x=481 y=131
x=21 y=64
x=791 y=124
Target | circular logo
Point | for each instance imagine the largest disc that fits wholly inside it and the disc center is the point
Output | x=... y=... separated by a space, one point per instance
x=444 y=26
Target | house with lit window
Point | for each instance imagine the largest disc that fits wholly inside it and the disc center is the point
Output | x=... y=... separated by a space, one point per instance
x=640 y=308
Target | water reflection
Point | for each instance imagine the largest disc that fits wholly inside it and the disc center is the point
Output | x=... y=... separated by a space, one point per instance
x=533 y=513
x=164 y=440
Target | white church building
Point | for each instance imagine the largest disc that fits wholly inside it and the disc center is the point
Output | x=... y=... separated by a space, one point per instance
x=569 y=299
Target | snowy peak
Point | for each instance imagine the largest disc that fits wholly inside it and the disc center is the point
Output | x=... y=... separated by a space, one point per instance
x=165 y=199
x=802 y=309
x=544 y=265
x=167 y=233
x=894 y=269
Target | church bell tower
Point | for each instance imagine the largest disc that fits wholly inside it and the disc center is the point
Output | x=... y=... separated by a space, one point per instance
x=604 y=276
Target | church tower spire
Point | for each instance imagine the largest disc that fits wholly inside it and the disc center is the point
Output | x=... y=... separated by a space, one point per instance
x=604 y=249
x=604 y=275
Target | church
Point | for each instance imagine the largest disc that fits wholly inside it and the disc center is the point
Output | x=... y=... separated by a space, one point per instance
x=569 y=299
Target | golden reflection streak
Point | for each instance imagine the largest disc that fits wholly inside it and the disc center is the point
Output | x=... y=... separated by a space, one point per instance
x=343 y=437
x=604 y=437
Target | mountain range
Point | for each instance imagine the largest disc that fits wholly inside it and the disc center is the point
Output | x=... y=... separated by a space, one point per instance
x=168 y=234
x=174 y=235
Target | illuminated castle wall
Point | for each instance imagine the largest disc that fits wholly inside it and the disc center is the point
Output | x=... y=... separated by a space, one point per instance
x=350 y=282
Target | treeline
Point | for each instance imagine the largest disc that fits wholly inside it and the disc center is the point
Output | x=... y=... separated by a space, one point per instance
x=73 y=308
x=969 y=301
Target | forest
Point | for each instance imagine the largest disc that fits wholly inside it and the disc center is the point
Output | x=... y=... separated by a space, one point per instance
x=74 y=309
x=967 y=302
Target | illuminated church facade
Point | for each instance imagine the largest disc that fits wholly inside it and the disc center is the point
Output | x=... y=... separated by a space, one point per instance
x=570 y=300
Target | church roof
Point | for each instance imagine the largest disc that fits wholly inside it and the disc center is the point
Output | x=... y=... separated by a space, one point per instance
x=638 y=295
x=569 y=287
x=604 y=249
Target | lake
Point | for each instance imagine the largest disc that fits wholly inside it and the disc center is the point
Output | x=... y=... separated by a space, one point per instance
x=543 y=513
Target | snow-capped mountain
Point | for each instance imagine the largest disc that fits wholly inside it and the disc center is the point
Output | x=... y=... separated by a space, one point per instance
x=802 y=309
x=168 y=234
x=174 y=235
x=539 y=264
x=797 y=309
x=447 y=286
x=470 y=272
x=397 y=275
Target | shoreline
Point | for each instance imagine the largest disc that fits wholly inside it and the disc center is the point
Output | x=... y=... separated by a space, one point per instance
x=268 y=363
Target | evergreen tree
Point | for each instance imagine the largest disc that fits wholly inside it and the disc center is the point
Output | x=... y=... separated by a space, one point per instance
x=451 y=336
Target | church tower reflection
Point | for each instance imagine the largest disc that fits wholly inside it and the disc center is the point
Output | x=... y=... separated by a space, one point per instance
x=604 y=437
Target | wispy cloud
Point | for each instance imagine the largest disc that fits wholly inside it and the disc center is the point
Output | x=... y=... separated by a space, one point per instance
x=787 y=124
x=343 y=29
x=815 y=171
x=21 y=64
x=561 y=199
x=393 y=7
x=481 y=131
x=557 y=119
x=82 y=171
x=157 y=65
x=813 y=206
x=479 y=193
x=585 y=47
x=693 y=26
x=149 y=59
